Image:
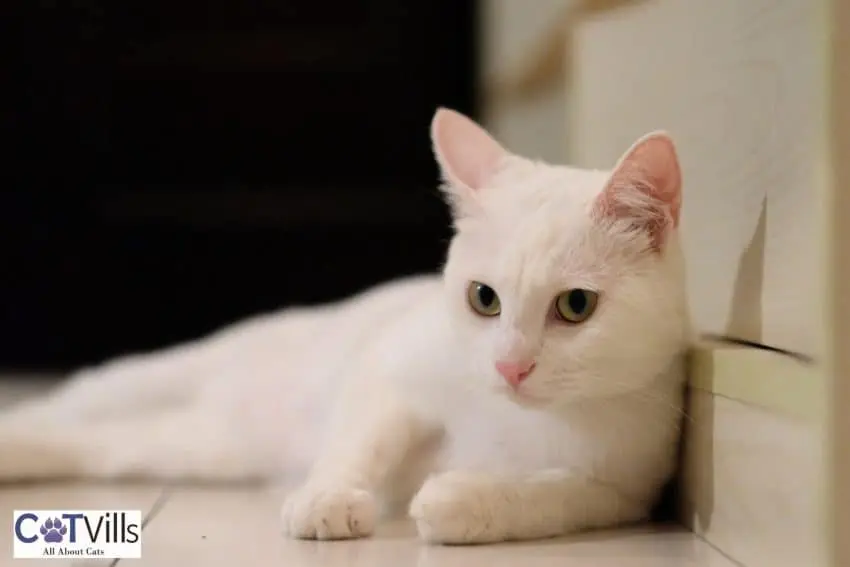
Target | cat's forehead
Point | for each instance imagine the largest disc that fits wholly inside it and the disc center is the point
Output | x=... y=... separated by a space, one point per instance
x=541 y=204
x=532 y=189
x=536 y=230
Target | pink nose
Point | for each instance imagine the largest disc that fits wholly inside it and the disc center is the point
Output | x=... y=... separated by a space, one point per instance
x=515 y=372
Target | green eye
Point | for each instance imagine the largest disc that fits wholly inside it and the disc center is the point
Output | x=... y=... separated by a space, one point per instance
x=576 y=305
x=483 y=299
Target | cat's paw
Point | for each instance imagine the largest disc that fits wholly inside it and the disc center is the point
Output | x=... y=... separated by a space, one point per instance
x=457 y=508
x=329 y=513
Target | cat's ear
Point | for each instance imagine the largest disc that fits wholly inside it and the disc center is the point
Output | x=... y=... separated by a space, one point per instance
x=467 y=154
x=645 y=188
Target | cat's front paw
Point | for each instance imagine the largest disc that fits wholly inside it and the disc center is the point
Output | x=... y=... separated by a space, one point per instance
x=329 y=513
x=457 y=508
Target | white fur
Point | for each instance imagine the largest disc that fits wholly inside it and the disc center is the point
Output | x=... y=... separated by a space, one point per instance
x=392 y=395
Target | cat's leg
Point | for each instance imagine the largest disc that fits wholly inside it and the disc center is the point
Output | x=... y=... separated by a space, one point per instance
x=338 y=500
x=464 y=507
x=192 y=443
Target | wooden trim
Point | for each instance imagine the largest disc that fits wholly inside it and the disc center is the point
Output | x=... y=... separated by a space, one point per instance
x=837 y=237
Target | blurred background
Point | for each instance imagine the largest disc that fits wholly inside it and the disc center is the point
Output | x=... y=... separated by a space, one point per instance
x=171 y=167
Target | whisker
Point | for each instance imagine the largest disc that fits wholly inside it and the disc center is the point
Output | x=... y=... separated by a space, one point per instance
x=646 y=396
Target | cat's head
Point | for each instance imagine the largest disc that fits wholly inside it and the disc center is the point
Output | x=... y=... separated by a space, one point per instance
x=563 y=283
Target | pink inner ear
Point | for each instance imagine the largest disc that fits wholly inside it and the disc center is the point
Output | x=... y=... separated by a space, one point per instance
x=646 y=187
x=468 y=155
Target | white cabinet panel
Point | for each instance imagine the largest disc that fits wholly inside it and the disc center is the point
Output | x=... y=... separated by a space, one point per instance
x=739 y=86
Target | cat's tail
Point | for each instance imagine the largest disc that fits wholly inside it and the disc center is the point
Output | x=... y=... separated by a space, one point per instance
x=184 y=444
x=136 y=416
x=120 y=387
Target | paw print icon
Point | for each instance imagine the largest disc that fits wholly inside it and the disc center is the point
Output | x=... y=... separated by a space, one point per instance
x=53 y=530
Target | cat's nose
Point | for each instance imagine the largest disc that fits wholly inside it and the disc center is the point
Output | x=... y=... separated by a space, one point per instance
x=515 y=372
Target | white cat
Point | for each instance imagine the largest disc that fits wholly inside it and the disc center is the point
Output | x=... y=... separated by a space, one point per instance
x=532 y=390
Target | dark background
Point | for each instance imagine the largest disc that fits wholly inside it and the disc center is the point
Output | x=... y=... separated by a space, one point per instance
x=173 y=166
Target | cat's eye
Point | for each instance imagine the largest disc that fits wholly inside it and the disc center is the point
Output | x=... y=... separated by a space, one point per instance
x=576 y=305
x=483 y=299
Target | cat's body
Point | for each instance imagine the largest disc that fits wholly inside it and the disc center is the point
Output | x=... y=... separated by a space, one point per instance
x=500 y=419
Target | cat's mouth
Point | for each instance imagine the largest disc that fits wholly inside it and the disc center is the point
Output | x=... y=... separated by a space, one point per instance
x=523 y=397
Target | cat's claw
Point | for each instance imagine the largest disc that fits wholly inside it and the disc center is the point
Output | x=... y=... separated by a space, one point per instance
x=329 y=513
x=454 y=508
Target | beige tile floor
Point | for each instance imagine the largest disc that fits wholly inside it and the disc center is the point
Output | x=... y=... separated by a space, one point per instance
x=206 y=526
